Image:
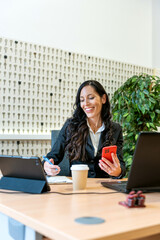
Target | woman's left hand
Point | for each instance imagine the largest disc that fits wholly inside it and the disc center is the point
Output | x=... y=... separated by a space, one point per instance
x=113 y=169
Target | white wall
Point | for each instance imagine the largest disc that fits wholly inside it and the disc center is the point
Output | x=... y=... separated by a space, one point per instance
x=114 y=29
x=156 y=33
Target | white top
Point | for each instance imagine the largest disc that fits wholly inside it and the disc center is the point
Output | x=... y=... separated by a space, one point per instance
x=79 y=167
x=95 y=137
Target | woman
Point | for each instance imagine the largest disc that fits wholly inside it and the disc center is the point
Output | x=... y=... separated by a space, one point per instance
x=85 y=134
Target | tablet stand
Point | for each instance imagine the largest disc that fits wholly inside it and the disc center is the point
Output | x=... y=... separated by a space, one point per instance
x=24 y=185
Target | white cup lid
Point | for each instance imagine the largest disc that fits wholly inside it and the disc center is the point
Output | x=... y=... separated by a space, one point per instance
x=79 y=167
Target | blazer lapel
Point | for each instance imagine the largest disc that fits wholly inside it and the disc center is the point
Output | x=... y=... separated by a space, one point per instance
x=101 y=143
x=89 y=146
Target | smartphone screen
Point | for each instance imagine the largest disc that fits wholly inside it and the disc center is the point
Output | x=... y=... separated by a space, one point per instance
x=106 y=152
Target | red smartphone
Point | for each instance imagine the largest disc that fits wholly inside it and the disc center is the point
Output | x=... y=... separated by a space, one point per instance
x=106 y=152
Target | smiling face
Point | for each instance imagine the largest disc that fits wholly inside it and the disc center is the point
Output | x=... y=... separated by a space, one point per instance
x=91 y=102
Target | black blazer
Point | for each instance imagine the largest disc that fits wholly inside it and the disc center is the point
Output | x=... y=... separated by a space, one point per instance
x=92 y=161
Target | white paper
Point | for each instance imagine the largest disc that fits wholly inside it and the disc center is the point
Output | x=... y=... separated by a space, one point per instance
x=58 y=179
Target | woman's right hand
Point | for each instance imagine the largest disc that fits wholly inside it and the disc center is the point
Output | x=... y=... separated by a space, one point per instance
x=51 y=170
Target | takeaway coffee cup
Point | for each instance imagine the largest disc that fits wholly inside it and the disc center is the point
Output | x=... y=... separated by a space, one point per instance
x=79 y=176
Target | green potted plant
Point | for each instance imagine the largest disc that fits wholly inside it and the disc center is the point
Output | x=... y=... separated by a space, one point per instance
x=136 y=106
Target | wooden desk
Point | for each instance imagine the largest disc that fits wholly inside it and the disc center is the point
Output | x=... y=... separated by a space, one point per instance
x=53 y=214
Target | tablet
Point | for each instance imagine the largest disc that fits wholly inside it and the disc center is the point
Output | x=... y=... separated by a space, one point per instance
x=23 y=174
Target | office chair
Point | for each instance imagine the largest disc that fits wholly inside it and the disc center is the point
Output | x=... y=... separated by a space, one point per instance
x=64 y=164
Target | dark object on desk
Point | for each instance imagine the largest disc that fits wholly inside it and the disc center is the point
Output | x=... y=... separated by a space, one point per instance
x=144 y=173
x=24 y=174
x=89 y=220
x=64 y=164
x=134 y=200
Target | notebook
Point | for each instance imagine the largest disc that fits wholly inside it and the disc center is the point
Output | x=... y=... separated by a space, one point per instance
x=58 y=180
x=23 y=174
x=144 y=174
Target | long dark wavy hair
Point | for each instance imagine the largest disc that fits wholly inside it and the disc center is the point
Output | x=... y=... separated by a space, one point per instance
x=77 y=130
